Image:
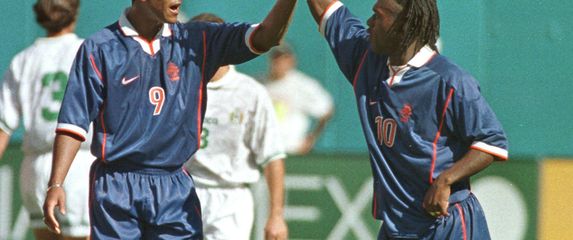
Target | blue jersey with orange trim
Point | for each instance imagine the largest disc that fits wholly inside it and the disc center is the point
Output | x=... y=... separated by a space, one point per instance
x=147 y=99
x=415 y=129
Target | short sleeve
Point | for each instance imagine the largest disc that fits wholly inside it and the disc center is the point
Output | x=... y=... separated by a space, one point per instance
x=9 y=103
x=346 y=37
x=84 y=93
x=265 y=141
x=475 y=122
x=229 y=43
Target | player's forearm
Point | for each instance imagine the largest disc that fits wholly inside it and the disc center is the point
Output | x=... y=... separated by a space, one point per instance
x=274 y=174
x=473 y=162
x=4 y=140
x=274 y=26
x=322 y=124
x=317 y=8
x=65 y=149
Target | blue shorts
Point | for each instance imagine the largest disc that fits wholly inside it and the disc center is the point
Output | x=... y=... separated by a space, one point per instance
x=143 y=204
x=466 y=222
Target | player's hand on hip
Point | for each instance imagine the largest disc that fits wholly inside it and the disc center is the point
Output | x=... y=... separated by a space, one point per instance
x=436 y=200
x=55 y=197
x=276 y=229
x=307 y=145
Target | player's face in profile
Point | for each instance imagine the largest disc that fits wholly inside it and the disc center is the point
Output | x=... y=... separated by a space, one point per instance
x=165 y=10
x=385 y=14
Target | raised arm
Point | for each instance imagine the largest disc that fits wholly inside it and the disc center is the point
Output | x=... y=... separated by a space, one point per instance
x=317 y=8
x=274 y=26
x=65 y=149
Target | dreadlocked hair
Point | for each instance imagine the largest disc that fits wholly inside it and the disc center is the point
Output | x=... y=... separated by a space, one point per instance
x=419 y=21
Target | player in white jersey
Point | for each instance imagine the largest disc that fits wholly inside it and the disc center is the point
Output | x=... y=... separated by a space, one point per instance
x=31 y=92
x=297 y=99
x=239 y=138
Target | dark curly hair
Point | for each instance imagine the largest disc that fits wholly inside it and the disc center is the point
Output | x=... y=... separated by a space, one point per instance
x=55 y=15
x=419 y=21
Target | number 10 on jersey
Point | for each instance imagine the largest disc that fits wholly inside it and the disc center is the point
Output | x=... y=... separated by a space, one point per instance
x=386 y=130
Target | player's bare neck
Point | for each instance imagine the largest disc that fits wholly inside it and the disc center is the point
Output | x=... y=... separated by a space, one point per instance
x=69 y=29
x=221 y=72
x=146 y=25
x=402 y=58
x=276 y=75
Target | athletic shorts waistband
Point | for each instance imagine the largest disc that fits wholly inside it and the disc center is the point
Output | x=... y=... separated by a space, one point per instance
x=222 y=186
x=128 y=167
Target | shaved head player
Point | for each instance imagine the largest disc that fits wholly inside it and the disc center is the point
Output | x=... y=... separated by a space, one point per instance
x=142 y=82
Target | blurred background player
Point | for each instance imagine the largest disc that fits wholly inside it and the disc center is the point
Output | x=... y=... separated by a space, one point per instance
x=240 y=138
x=142 y=82
x=31 y=93
x=297 y=99
x=427 y=126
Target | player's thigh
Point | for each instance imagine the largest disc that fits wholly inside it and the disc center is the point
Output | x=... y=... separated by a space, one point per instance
x=112 y=212
x=76 y=221
x=466 y=221
x=34 y=176
x=176 y=208
x=228 y=213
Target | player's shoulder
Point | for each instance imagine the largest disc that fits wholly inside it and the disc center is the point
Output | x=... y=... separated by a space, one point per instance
x=104 y=37
x=249 y=86
x=195 y=27
x=249 y=82
x=300 y=78
x=454 y=76
x=69 y=42
x=449 y=71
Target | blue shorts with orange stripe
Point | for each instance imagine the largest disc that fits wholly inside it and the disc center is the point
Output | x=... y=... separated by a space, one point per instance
x=465 y=222
x=127 y=203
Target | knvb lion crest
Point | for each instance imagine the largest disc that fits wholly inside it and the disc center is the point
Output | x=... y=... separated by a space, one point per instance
x=405 y=113
x=172 y=71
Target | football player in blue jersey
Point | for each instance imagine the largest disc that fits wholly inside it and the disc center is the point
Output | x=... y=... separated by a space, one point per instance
x=427 y=126
x=142 y=82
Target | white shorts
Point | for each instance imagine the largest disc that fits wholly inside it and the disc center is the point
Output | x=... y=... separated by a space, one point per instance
x=227 y=213
x=34 y=177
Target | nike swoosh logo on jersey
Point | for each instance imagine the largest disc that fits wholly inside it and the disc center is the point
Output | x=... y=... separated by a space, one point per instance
x=372 y=103
x=128 y=81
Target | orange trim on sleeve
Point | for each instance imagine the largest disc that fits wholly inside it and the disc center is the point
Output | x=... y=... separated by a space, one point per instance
x=496 y=155
x=325 y=11
x=251 y=41
x=80 y=136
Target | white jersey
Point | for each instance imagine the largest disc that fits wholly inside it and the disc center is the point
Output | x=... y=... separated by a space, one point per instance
x=33 y=88
x=239 y=136
x=297 y=98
